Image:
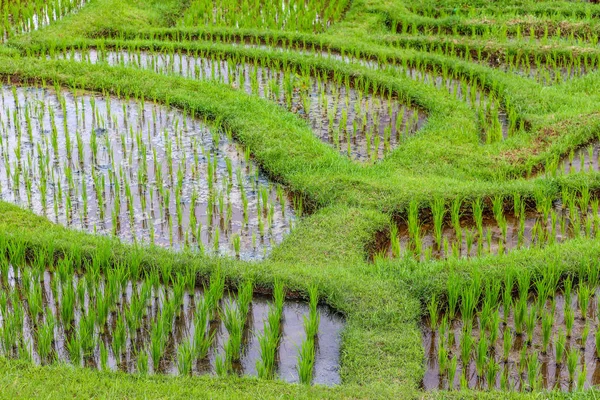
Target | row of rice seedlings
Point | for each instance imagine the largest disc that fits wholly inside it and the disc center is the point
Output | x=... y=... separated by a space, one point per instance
x=582 y=160
x=359 y=118
x=451 y=234
x=503 y=29
x=234 y=319
x=548 y=10
x=495 y=122
x=136 y=170
x=546 y=337
x=22 y=16
x=128 y=320
x=551 y=68
x=289 y=15
x=548 y=68
x=306 y=361
x=271 y=336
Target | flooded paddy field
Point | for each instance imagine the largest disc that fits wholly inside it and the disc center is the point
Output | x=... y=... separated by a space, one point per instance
x=457 y=230
x=359 y=120
x=528 y=341
x=142 y=326
x=138 y=171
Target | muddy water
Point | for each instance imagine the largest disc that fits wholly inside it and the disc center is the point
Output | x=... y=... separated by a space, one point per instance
x=530 y=229
x=553 y=374
x=87 y=291
x=584 y=159
x=141 y=172
x=356 y=122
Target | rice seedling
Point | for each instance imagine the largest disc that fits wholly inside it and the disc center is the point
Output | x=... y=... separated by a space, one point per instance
x=477 y=207
x=307 y=360
x=438 y=209
x=492 y=372
x=202 y=338
x=469 y=299
x=142 y=362
x=442 y=357
x=533 y=370
x=547 y=323
x=45 y=336
x=569 y=320
x=234 y=325
x=270 y=339
x=455 y=215
x=481 y=358
x=560 y=347
x=581 y=377
x=221 y=365
x=74 y=348
x=184 y=358
x=583 y=297
x=572 y=359
x=453 y=295
x=584 y=335
x=530 y=322
x=432 y=307
x=466 y=346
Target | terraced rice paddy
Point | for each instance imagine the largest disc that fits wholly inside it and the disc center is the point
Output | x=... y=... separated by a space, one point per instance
x=359 y=123
x=138 y=171
x=299 y=199
x=23 y=16
x=457 y=230
x=290 y=15
x=138 y=325
x=547 y=340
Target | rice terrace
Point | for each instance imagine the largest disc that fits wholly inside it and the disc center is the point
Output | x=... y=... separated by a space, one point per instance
x=299 y=199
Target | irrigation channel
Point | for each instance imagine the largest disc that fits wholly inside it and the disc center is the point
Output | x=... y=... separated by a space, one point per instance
x=111 y=322
x=540 y=338
x=463 y=229
x=136 y=170
x=359 y=123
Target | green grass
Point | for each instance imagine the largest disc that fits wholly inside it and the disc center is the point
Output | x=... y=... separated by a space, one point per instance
x=351 y=204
